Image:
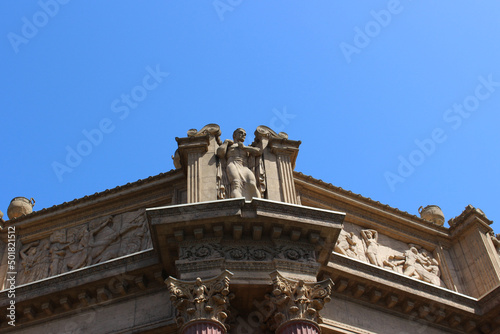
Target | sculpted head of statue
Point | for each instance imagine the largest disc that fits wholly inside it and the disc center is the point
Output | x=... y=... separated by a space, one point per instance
x=239 y=135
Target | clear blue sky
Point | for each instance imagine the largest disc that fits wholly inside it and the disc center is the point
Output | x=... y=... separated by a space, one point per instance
x=398 y=101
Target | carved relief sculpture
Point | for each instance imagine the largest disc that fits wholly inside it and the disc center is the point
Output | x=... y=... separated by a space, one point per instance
x=103 y=240
x=201 y=300
x=414 y=262
x=298 y=300
x=408 y=261
x=194 y=251
x=371 y=239
x=34 y=261
x=134 y=233
x=418 y=264
x=96 y=241
x=77 y=255
x=346 y=244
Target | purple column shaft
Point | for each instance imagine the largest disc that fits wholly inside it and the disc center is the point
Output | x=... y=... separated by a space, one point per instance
x=204 y=327
x=299 y=327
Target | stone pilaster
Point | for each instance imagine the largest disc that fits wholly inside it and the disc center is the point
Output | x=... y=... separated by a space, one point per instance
x=196 y=156
x=202 y=305
x=298 y=304
x=474 y=254
x=279 y=161
x=285 y=154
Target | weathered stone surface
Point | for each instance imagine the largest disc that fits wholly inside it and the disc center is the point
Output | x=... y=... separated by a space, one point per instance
x=80 y=246
x=407 y=259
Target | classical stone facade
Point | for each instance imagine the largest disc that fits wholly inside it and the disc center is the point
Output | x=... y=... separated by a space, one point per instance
x=235 y=241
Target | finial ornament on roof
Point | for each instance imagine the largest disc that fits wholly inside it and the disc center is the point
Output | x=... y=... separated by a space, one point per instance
x=432 y=213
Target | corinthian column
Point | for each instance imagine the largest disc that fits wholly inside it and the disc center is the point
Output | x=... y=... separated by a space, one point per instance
x=298 y=304
x=202 y=305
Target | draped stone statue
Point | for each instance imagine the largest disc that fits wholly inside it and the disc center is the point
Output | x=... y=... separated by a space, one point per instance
x=238 y=160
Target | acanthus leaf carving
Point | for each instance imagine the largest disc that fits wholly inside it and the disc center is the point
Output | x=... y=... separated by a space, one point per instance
x=297 y=300
x=201 y=299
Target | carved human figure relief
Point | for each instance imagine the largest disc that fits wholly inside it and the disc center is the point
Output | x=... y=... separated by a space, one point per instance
x=103 y=239
x=371 y=240
x=416 y=263
x=77 y=254
x=34 y=261
x=57 y=251
x=408 y=261
x=430 y=266
x=240 y=166
x=97 y=241
x=134 y=233
x=346 y=244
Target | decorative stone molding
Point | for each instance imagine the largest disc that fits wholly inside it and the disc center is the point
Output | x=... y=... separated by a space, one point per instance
x=298 y=301
x=250 y=239
x=201 y=300
x=246 y=250
x=295 y=259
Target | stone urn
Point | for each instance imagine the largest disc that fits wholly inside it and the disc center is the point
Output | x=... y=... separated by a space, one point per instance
x=433 y=214
x=20 y=206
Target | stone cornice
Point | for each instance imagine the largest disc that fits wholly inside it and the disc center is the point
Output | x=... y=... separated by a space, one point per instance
x=237 y=218
x=396 y=281
x=56 y=284
x=468 y=218
x=238 y=207
x=84 y=289
x=385 y=289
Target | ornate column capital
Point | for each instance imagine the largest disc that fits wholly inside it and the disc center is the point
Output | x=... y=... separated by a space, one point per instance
x=298 y=301
x=201 y=300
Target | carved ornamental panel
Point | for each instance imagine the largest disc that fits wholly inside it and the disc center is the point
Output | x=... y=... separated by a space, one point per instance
x=96 y=241
x=408 y=259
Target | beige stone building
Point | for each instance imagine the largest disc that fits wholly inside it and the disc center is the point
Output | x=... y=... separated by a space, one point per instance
x=235 y=241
